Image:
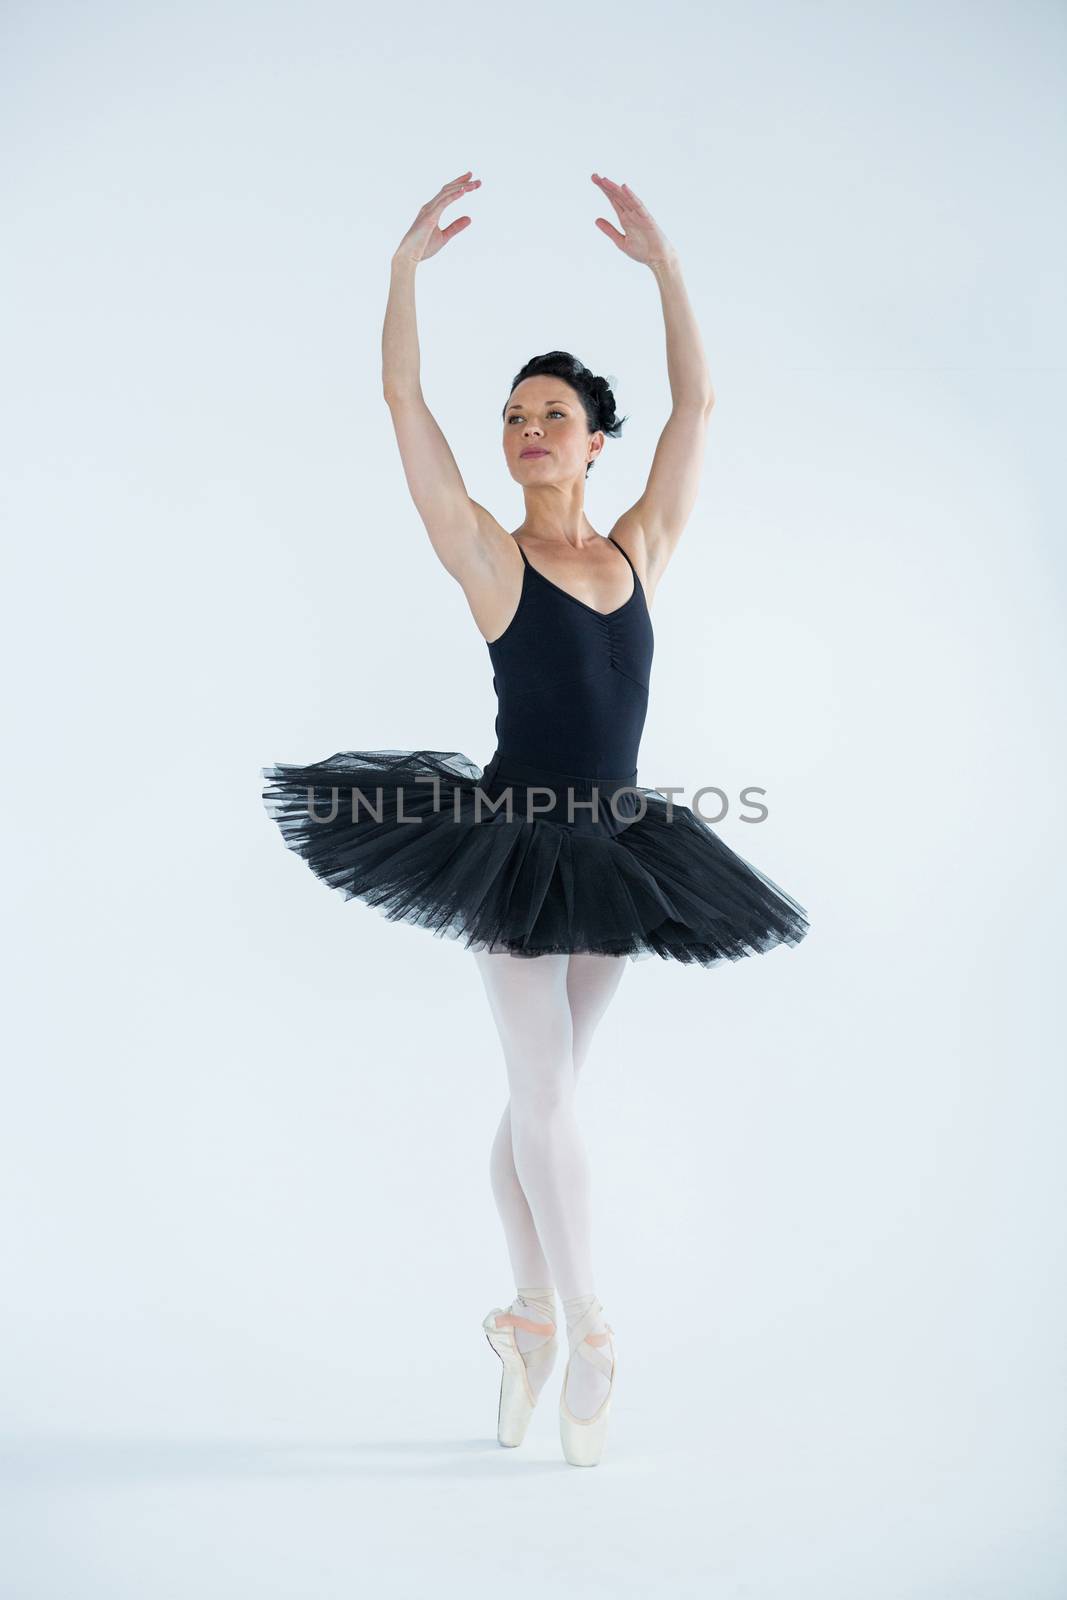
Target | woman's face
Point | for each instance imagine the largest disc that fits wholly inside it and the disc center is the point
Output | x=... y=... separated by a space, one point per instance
x=546 y=435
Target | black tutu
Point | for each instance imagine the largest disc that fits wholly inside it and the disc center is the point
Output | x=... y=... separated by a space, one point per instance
x=562 y=864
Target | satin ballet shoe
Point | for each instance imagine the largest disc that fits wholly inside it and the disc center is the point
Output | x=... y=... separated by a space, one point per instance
x=517 y=1398
x=583 y=1438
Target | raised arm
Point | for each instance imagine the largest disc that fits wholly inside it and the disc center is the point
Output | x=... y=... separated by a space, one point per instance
x=454 y=522
x=658 y=518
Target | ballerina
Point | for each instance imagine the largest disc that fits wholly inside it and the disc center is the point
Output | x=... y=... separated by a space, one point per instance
x=551 y=862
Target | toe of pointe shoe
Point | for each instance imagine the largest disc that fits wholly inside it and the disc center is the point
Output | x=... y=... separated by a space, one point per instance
x=517 y=1399
x=583 y=1438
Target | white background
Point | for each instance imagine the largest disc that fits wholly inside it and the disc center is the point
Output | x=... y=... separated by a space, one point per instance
x=248 y=1235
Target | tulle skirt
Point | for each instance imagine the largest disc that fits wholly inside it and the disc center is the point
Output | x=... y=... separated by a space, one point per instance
x=518 y=858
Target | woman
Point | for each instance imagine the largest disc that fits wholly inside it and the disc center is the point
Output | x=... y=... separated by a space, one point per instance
x=552 y=851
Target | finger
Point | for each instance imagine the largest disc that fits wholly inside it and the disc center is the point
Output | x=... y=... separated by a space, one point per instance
x=611 y=188
x=456 y=189
x=638 y=203
x=457 y=186
x=454 y=228
x=619 y=200
x=435 y=207
x=457 y=183
x=611 y=231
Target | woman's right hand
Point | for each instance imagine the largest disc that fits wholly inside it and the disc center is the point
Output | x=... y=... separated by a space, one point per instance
x=424 y=238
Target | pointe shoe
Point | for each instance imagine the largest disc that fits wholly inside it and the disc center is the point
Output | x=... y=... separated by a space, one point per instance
x=583 y=1437
x=517 y=1399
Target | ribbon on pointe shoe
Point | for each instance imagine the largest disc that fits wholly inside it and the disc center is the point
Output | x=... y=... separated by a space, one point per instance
x=579 y=1337
x=534 y=1365
x=510 y=1319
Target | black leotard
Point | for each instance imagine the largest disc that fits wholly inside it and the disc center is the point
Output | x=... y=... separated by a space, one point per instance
x=551 y=848
x=572 y=682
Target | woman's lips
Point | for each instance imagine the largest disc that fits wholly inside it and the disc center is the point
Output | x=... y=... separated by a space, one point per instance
x=533 y=453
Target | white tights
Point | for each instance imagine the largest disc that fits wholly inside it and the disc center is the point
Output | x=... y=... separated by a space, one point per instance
x=546 y=1011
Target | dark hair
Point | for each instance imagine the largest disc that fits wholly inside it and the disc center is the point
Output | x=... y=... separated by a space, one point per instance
x=598 y=402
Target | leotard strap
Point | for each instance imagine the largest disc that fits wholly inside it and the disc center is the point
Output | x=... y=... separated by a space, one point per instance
x=618 y=546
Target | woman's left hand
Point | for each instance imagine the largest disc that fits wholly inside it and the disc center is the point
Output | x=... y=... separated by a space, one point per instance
x=643 y=240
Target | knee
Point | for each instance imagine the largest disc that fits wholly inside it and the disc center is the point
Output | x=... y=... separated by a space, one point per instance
x=538 y=1101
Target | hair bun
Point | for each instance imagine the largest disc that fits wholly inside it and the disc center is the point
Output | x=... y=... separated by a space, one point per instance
x=605 y=402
